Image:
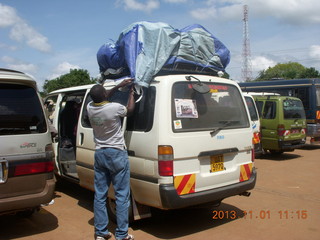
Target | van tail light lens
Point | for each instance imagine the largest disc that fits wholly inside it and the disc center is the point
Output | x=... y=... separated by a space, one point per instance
x=256 y=138
x=33 y=168
x=45 y=166
x=282 y=130
x=303 y=131
x=165 y=160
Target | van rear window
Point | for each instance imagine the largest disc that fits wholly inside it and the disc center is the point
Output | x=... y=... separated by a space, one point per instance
x=20 y=110
x=293 y=109
x=221 y=107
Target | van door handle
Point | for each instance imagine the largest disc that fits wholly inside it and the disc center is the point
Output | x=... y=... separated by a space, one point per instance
x=81 y=138
x=263 y=127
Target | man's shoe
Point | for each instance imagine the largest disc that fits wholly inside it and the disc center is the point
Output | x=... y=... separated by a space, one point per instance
x=106 y=237
x=128 y=237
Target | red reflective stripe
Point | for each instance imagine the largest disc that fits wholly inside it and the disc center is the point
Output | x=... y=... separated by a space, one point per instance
x=183 y=183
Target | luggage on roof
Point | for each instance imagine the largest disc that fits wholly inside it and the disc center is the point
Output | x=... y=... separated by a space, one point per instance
x=144 y=49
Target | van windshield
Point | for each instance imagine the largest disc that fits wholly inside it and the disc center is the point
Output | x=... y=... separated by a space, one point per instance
x=20 y=110
x=293 y=109
x=222 y=107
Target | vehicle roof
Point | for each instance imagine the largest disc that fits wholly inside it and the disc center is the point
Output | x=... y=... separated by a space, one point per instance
x=280 y=83
x=274 y=97
x=76 y=88
x=113 y=82
x=9 y=76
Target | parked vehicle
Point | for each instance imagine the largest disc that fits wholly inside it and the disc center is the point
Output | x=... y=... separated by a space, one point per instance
x=26 y=154
x=255 y=123
x=307 y=90
x=189 y=142
x=283 y=123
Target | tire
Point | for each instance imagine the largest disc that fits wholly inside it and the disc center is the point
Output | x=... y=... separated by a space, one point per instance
x=111 y=207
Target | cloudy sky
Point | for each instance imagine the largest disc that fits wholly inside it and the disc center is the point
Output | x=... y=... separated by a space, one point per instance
x=47 y=38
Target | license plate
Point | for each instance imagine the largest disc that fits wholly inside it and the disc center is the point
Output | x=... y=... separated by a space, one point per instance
x=217 y=163
x=295 y=131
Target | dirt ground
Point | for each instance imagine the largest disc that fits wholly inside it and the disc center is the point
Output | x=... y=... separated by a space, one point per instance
x=285 y=204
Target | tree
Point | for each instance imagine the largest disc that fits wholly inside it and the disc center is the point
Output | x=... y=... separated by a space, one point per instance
x=291 y=70
x=76 y=77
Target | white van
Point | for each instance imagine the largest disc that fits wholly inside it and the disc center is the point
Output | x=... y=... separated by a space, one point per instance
x=26 y=154
x=255 y=122
x=189 y=142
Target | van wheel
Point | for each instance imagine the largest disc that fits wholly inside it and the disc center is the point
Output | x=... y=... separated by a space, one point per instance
x=276 y=152
x=111 y=207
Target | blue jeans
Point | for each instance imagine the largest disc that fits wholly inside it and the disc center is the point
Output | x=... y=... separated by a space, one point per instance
x=111 y=166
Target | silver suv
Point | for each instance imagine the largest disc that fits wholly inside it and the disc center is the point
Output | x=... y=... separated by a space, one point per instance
x=26 y=154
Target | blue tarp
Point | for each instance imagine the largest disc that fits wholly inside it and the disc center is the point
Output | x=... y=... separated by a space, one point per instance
x=145 y=48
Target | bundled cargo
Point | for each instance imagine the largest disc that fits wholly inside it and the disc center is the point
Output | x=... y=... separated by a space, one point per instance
x=144 y=49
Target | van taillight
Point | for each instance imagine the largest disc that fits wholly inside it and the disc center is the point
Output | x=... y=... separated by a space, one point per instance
x=282 y=130
x=33 y=168
x=256 y=138
x=165 y=160
x=318 y=117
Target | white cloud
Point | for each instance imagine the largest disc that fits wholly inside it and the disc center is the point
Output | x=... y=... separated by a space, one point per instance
x=8 y=16
x=146 y=6
x=288 y=11
x=19 y=65
x=23 y=67
x=261 y=63
x=21 y=31
x=61 y=69
x=315 y=51
x=7 y=59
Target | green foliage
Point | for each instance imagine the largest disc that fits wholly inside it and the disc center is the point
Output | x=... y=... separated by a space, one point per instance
x=291 y=70
x=76 y=77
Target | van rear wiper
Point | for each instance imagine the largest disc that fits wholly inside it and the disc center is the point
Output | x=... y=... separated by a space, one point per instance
x=224 y=125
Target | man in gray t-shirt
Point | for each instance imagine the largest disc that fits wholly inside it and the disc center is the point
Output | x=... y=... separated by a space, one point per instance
x=111 y=159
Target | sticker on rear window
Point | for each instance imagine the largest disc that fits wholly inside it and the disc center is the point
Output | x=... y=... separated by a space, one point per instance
x=177 y=124
x=186 y=108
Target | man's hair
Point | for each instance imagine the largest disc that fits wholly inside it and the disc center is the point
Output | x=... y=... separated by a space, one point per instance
x=98 y=93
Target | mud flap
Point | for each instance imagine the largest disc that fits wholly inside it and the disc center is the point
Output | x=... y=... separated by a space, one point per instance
x=140 y=211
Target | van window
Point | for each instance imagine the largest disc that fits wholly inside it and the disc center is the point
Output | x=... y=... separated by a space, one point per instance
x=141 y=120
x=259 y=105
x=318 y=96
x=293 y=109
x=252 y=110
x=20 y=110
x=222 y=107
x=269 y=111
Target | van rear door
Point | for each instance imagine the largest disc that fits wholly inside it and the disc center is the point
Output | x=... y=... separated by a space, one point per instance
x=212 y=137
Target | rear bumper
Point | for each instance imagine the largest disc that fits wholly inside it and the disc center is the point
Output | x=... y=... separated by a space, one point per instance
x=171 y=200
x=291 y=145
x=28 y=201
